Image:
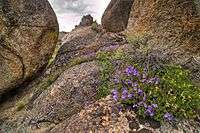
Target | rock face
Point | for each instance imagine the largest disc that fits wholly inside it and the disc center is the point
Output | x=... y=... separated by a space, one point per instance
x=28 y=35
x=63 y=98
x=115 y=18
x=86 y=20
x=104 y=116
x=75 y=88
x=68 y=85
x=170 y=35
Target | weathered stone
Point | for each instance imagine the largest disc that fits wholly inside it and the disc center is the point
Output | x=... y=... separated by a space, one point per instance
x=104 y=116
x=74 y=84
x=168 y=31
x=115 y=18
x=82 y=42
x=28 y=35
x=86 y=20
x=74 y=89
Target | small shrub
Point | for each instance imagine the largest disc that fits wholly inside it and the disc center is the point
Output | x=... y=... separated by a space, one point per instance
x=105 y=74
x=95 y=26
x=140 y=42
x=50 y=81
x=163 y=95
x=20 y=105
x=54 y=54
x=79 y=60
x=106 y=60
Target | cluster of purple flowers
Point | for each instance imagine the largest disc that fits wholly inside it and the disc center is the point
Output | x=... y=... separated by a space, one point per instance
x=168 y=117
x=132 y=71
x=131 y=89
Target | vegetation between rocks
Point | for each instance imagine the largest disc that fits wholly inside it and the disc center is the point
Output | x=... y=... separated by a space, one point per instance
x=164 y=95
x=21 y=104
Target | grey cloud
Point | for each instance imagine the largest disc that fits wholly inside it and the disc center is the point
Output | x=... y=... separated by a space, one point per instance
x=78 y=7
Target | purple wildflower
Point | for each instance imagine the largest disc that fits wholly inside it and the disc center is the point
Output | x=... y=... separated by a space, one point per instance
x=132 y=71
x=140 y=103
x=124 y=94
x=119 y=108
x=114 y=92
x=116 y=81
x=154 y=105
x=154 y=80
x=131 y=95
x=129 y=70
x=140 y=92
x=135 y=72
x=151 y=80
x=129 y=82
x=145 y=105
x=168 y=116
x=144 y=98
x=115 y=95
x=135 y=84
x=150 y=111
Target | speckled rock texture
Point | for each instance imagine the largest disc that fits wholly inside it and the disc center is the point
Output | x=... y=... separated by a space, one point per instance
x=84 y=42
x=74 y=89
x=166 y=31
x=28 y=35
x=105 y=117
x=64 y=88
x=63 y=98
x=115 y=18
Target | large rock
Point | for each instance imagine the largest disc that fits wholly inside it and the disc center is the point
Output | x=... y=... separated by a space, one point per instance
x=75 y=88
x=70 y=83
x=115 y=18
x=168 y=31
x=28 y=35
x=104 y=117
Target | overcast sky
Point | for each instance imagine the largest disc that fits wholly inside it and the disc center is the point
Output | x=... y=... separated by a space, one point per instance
x=70 y=12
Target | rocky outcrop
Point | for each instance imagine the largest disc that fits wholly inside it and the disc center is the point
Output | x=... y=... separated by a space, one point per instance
x=84 y=42
x=28 y=35
x=63 y=98
x=68 y=85
x=86 y=20
x=115 y=18
x=73 y=90
x=104 y=116
x=167 y=35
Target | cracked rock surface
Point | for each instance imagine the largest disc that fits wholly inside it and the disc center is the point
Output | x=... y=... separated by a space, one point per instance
x=28 y=35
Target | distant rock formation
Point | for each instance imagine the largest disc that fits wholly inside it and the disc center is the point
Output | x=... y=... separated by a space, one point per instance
x=86 y=20
x=28 y=35
x=115 y=18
